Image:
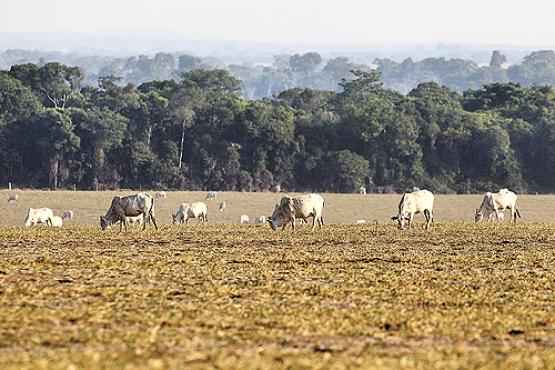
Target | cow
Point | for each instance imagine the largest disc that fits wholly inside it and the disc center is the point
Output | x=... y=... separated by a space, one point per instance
x=223 y=205
x=420 y=201
x=244 y=220
x=68 y=215
x=141 y=204
x=137 y=220
x=290 y=209
x=211 y=195
x=362 y=190
x=493 y=205
x=260 y=220
x=185 y=212
x=39 y=216
x=56 y=221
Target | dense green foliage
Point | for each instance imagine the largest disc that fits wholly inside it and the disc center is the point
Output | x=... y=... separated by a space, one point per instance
x=198 y=132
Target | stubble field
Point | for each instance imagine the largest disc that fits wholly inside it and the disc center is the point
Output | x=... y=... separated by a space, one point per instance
x=227 y=296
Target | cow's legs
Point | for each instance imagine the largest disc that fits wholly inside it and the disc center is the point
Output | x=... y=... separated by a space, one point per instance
x=428 y=216
x=411 y=217
x=293 y=223
x=153 y=219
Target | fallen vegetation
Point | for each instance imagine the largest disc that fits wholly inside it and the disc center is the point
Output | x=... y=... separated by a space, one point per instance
x=227 y=296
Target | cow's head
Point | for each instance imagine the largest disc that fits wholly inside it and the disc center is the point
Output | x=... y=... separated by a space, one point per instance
x=401 y=220
x=478 y=216
x=104 y=223
x=277 y=219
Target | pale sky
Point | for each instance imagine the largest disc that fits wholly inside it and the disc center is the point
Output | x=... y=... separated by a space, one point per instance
x=337 y=22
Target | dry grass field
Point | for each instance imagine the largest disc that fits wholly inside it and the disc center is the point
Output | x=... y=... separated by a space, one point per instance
x=461 y=296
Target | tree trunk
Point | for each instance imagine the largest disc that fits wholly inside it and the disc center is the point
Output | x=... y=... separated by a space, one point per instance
x=182 y=142
x=53 y=170
x=99 y=157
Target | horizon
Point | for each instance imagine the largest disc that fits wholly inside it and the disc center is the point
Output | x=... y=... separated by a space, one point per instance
x=287 y=24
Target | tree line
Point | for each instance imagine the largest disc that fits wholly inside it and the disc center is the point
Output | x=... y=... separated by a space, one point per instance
x=199 y=133
x=307 y=70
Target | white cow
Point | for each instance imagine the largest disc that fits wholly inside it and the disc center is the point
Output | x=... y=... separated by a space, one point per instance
x=137 y=220
x=39 y=216
x=244 y=220
x=362 y=190
x=56 y=221
x=185 y=212
x=301 y=207
x=493 y=205
x=421 y=201
x=68 y=215
x=260 y=220
x=160 y=195
x=211 y=195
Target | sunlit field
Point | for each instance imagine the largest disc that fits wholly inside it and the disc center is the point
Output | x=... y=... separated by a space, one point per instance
x=339 y=208
x=222 y=295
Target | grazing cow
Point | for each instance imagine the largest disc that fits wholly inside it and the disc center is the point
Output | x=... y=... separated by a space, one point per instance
x=141 y=204
x=222 y=206
x=290 y=209
x=493 y=205
x=362 y=190
x=68 y=215
x=244 y=220
x=39 y=216
x=56 y=221
x=160 y=195
x=211 y=195
x=413 y=203
x=260 y=220
x=185 y=212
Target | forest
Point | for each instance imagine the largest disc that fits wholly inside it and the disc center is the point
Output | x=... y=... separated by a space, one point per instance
x=272 y=75
x=199 y=132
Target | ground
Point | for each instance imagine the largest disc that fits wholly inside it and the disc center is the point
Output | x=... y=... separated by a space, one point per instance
x=461 y=296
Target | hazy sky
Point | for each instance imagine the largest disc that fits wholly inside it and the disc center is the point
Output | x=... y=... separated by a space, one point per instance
x=337 y=22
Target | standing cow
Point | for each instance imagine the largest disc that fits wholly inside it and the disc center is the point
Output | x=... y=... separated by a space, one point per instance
x=129 y=206
x=421 y=201
x=185 y=212
x=493 y=205
x=290 y=209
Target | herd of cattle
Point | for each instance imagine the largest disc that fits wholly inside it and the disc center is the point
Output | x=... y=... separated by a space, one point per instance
x=139 y=209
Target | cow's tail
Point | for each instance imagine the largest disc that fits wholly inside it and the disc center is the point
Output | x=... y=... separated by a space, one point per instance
x=151 y=214
x=322 y=215
x=402 y=201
